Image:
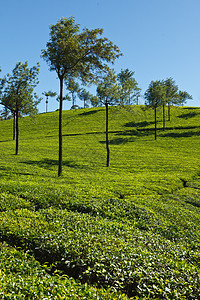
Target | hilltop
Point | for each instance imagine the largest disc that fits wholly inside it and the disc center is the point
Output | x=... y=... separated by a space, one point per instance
x=130 y=228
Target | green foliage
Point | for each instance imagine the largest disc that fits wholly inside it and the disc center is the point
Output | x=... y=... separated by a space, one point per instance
x=108 y=90
x=85 y=96
x=171 y=91
x=74 y=54
x=17 y=93
x=133 y=228
x=184 y=96
x=101 y=251
x=73 y=88
x=22 y=277
x=18 y=89
x=155 y=94
x=129 y=90
x=78 y=54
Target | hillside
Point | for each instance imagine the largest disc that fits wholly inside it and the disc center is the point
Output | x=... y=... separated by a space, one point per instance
x=132 y=228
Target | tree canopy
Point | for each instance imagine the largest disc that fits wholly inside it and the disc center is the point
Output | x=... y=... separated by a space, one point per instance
x=47 y=95
x=84 y=54
x=73 y=88
x=129 y=90
x=17 y=92
x=184 y=96
x=155 y=96
x=172 y=96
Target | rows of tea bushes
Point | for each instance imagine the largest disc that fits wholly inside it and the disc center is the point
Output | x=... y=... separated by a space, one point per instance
x=22 y=277
x=107 y=253
x=127 y=244
x=96 y=233
x=169 y=215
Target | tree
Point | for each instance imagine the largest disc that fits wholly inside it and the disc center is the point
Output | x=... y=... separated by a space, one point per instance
x=94 y=100
x=77 y=54
x=171 y=93
x=73 y=88
x=183 y=97
x=129 y=87
x=163 y=111
x=108 y=94
x=47 y=95
x=155 y=95
x=85 y=96
x=18 y=93
x=5 y=113
x=7 y=102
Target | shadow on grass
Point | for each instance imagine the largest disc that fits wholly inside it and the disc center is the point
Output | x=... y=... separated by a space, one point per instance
x=91 y=133
x=91 y=112
x=181 y=134
x=84 y=133
x=118 y=141
x=189 y=115
x=138 y=124
x=5 y=141
x=129 y=136
x=193 y=203
x=47 y=163
x=4 y=171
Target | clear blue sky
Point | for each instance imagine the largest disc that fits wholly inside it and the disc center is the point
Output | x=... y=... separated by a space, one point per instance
x=158 y=38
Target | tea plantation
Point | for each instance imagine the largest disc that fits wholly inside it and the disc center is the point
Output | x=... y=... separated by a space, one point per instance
x=130 y=231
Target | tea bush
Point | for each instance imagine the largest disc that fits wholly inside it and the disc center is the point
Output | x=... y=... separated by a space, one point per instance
x=22 y=277
x=132 y=228
x=111 y=254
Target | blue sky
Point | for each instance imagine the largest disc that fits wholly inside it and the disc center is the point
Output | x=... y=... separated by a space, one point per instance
x=158 y=38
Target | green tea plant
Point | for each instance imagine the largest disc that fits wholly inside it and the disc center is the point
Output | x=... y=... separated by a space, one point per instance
x=22 y=277
x=132 y=228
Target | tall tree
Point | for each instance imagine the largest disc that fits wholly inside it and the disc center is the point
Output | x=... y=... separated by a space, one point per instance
x=163 y=111
x=77 y=54
x=108 y=94
x=183 y=97
x=47 y=95
x=155 y=95
x=94 y=100
x=85 y=96
x=129 y=87
x=171 y=93
x=7 y=102
x=18 y=93
x=73 y=88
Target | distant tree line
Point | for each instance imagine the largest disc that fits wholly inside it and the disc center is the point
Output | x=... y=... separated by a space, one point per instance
x=161 y=93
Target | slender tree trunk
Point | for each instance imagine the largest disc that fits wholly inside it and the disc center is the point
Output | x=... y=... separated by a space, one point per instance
x=169 y=116
x=155 y=123
x=17 y=131
x=73 y=100
x=46 y=104
x=13 y=125
x=60 y=128
x=163 y=116
x=107 y=141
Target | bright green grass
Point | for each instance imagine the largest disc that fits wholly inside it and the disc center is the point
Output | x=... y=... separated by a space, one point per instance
x=151 y=186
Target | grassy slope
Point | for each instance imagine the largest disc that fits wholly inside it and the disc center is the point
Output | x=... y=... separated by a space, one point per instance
x=150 y=185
